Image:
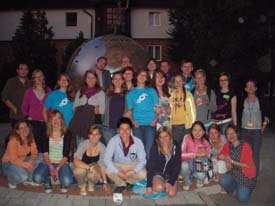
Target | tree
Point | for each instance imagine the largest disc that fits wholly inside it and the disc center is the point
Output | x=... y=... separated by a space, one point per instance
x=33 y=44
x=220 y=36
x=71 y=47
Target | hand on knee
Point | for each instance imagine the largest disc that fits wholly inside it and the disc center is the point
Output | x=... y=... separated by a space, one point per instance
x=158 y=188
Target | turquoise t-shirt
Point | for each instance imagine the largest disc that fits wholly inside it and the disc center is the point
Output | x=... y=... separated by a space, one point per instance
x=142 y=102
x=58 y=99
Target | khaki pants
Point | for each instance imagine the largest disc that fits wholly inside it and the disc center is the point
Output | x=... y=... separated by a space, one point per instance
x=83 y=175
x=124 y=167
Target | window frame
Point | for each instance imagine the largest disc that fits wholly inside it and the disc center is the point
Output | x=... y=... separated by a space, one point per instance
x=154 y=51
x=71 y=22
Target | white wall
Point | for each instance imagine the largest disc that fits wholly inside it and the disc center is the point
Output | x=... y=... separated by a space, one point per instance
x=140 y=27
x=9 y=21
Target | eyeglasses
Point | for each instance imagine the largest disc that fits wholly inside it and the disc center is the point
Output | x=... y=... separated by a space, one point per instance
x=223 y=80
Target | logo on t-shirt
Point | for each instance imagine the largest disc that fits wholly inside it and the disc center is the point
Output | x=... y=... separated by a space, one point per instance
x=141 y=98
x=63 y=102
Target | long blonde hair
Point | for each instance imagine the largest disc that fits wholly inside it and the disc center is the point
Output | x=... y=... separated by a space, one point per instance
x=49 y=123
x=44 y=86
x=169 y=132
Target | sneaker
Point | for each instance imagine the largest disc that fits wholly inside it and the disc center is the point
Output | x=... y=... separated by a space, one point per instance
x=186 y=187
x=199 y=185
x=180 y=179
x=11 y=186
x=31 y=183
x=206 y=181
x=63 y=189
x=91 y=187
x=48 y=187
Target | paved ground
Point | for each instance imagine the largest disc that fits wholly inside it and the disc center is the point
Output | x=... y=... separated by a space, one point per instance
x=263 y=195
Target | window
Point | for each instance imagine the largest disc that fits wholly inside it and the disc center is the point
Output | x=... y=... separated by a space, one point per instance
x=154 y=18
x=155 y=52
x=113 y=20
x=71 y=19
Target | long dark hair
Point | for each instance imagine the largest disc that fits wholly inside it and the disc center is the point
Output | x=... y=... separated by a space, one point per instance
x=84 y=85
x=164 y=88
x=183 y=88
x=204 y=137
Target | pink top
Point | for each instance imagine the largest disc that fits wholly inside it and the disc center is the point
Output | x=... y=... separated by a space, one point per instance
x=32 y=106
x=190 y=146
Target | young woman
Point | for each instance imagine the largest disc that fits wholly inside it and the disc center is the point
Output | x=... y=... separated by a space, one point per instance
x=89 y=105
x=240 y=179
x=204 y=97
x=89 y=164
x=183 y=110
x=163 y=166
x=141 y=103
x=226 y=102
x=160 y=84
x=33 y=101
x=217 y=142
x=114 y=106
x=61 y=99
x=194 y=146
x=128 y=76
x=18 y=161
x=55 y=150
x=254 y=121
x=151 y=68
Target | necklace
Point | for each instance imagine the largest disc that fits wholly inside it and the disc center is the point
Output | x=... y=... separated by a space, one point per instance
x=250 y=110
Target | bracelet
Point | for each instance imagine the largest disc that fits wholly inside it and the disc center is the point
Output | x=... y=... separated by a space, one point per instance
x=105 y=182
x=232 y=161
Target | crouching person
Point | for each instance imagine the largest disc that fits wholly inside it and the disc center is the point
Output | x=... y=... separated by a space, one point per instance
x=125 y=156
x=55 y=149
x=17 y=164
x=164 y=164
x=89 y=162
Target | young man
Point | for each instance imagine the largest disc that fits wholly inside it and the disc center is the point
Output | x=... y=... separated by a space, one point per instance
x=104 y=76
x=125 y=156
x=13 y=93
x=165 y=67
x=187 y=69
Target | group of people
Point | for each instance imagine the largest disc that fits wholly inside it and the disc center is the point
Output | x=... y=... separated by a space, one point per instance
x=159 y=126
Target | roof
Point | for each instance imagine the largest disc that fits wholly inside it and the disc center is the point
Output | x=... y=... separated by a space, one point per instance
x=66 y=4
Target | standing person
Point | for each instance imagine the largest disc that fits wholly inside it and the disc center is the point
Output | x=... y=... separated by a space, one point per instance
x=165 y=67
x=141 y=103
x=114 y=106
x=240 y=180
x=61 y=99
x=254 y=121
x=226 y=102
x=128 y=76
x=183 y=109
x=194 y=146
x=89 y=162
x=56 y=149
x=187 y=69
x=163 y=166
x=160 y=84
x=18 y=161
x=217 y=141
x=13 y=92
x=104 y=75
x=151 y=68
x=125 y=62
x=205 y=99
x=89 y=106
x=125 y=156
x=33 y=101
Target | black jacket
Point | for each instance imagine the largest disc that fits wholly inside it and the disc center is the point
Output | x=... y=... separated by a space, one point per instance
x=157 y=164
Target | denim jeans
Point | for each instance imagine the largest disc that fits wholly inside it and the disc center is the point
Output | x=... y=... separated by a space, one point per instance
x=42 y=174
x=147 y=135
x=107 y=133
x=15 y=173
x=230 y=185
x=187 y=171
x=178 y=132
x=254 y=138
